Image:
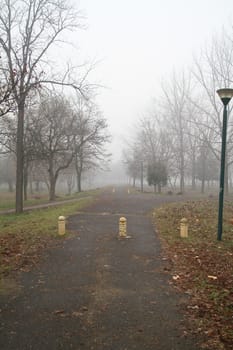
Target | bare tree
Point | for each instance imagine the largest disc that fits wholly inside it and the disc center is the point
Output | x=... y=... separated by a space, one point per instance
x=28 y=29
x=8 y=137
x=213 y=70
x=91 y=137
x=150 y=145
x=7 y=103
x=7 y=171
x=8 y=125
x=6 y=99
x=52 y=131
x=155 y=142
x=131 y=163
x=134 y=158
x=175 y=115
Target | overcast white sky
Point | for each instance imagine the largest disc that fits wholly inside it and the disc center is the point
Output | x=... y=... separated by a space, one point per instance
x=139 y=43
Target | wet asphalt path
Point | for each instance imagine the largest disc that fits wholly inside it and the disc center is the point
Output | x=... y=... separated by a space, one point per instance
x=94 y=291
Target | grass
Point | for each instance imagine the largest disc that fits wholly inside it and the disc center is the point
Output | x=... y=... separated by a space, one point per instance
x=202 y=266
x=7 y=199
x=22 y=237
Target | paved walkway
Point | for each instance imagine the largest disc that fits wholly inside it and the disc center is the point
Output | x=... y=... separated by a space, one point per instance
x=94 y=291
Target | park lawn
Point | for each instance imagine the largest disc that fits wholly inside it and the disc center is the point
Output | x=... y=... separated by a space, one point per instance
x=7 y=199
x=201 y=266
x=22 y=237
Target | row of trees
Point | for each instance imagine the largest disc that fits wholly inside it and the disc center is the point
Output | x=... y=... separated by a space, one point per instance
x=41 y=127
x=182 y=132
x=60 y=137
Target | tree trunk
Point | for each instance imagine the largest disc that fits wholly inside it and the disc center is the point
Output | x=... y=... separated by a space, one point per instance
x=181 y=150
x=134 y=182
x=159 y=188
x=202 y=185
x=203 y=174
x=25 y=182
x=69 y=186
x=141 y=176
x=193 y=171
x=19 y=159
x=193 y=183
x=30 y=184
x=230 y=180
x=181 y=159
x=52 y=181
x=182 y=176
x=182 y=168
x=10 y=186
x=79 y=186
x=78 y=169
x=37 y=186
x=52 y=189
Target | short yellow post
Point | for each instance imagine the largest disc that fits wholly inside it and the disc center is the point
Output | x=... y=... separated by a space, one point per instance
x=122 y=227
x=113 y=190
x=61 y=225
x=184 y=228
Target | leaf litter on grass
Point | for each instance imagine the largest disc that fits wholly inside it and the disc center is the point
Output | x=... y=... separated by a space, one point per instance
x=24 y=237
x=201 y=266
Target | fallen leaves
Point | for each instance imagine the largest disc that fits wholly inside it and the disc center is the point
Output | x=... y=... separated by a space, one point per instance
x=201 y=266
x=18 y=251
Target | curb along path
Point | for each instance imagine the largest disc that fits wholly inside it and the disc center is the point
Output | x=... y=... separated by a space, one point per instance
x=96 y=291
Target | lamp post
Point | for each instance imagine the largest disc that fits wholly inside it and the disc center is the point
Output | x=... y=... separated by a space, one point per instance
x=225 y=95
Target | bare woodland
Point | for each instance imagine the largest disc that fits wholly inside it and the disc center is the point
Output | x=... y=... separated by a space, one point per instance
x=183 y=128
x=43 y=129
x=52 y=128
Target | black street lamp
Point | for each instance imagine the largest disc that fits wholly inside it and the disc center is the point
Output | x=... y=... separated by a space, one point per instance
x=225 y=95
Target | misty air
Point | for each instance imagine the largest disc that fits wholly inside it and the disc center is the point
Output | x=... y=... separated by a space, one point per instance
x=116 y=175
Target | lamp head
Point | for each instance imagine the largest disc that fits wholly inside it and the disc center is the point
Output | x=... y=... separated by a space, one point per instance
x=225 y=95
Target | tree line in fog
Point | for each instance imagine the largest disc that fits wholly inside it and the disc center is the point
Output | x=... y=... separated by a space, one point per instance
x=50 y=124
x=178 y=141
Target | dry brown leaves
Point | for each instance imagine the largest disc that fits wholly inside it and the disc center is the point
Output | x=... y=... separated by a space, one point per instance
x=19 y=252
x=202 y=267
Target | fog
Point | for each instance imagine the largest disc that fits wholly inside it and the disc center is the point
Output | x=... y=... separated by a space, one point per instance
x=138 y=44
x=146 y=75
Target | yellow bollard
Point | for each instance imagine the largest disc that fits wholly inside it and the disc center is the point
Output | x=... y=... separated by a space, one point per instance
x=128 y=191
x=122 y=227
x=184 y=228
x=113 y=190
x=61 y=225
